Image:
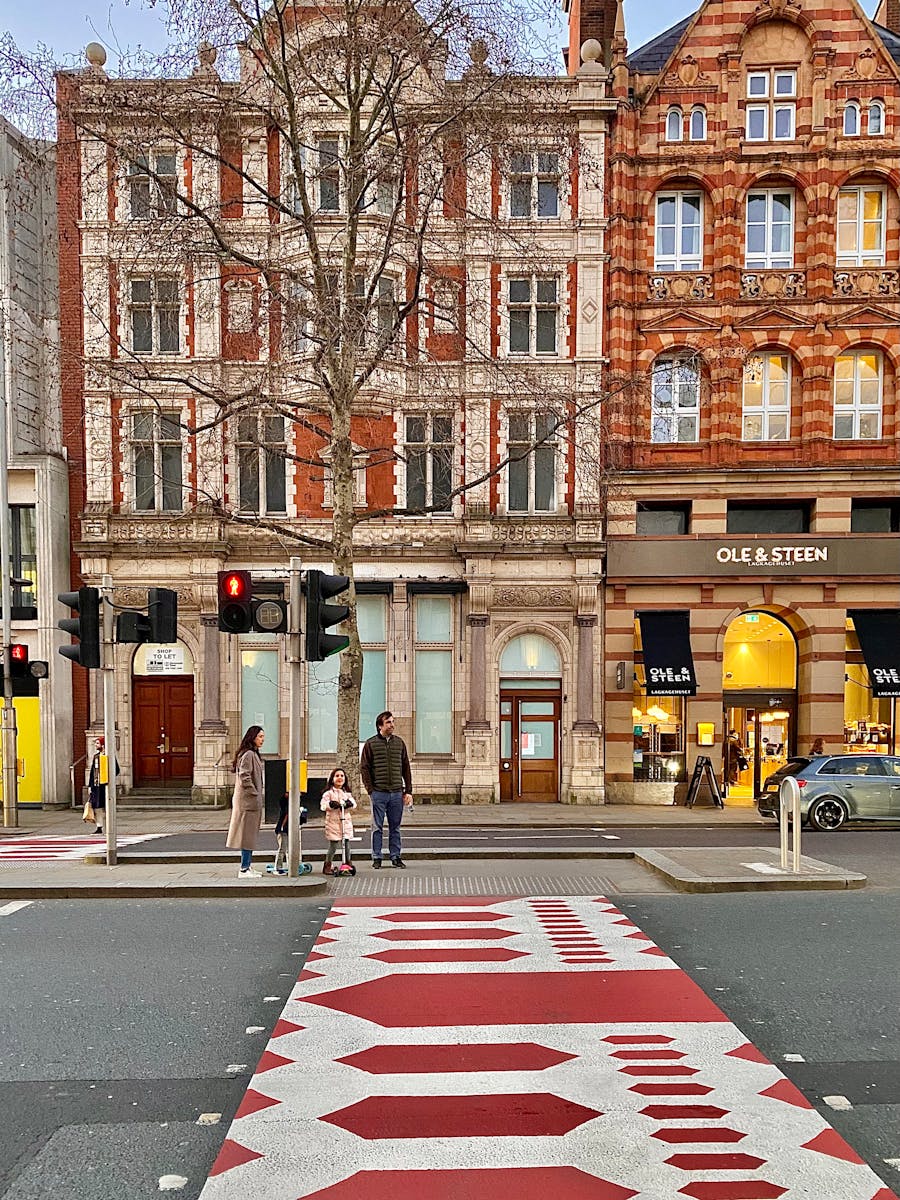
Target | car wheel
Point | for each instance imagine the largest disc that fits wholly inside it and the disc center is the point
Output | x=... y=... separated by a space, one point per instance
x=827 y=814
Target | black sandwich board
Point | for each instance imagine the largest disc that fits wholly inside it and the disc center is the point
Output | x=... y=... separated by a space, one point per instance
x=704 y=786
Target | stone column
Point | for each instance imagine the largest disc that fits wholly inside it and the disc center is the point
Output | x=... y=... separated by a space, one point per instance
x=211 y=777
x=477 y=719
x=212 y=716
x=584 y=700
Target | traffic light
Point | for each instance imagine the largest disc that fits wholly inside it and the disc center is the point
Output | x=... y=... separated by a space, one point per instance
x=86 y=626
x=18 y=661
x=235 y=602
x=162 y=614
x=320 y=616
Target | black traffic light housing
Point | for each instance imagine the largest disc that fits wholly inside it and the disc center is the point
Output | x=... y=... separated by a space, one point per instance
x=321 y=616
x=235 y=602
x=85 y=626
x=162 y=614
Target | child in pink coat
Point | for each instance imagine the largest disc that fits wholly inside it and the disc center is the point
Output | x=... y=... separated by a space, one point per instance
x=336 y=805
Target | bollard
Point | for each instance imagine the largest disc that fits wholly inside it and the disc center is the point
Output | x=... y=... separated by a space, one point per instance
x=789 y=794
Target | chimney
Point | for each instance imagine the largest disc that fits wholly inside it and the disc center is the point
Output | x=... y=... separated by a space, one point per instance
x=591 y=19
x=887 y=15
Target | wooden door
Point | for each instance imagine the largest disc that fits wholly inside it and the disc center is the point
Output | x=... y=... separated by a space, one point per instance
x=529 y=746
x=163 y=730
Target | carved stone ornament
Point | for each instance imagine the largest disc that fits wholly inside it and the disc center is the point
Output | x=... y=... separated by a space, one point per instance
x=240 y=306
x=867 y=282
x=532 y=596
x=778 y=8
x=763 y=285
x=531 y=532
x=689 y=286
x=867 y=66
x=687 y=74
x=589 y=310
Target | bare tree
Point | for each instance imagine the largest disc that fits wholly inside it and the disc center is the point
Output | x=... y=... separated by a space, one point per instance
x=324 y=188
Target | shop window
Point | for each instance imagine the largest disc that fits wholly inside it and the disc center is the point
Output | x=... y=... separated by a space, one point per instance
x=767 y=518
x=759 y=652
x=663 y=520
x=434 y=675
x=658 y=727
x=679 y=232
x=870 y=722
x=322 y=687
x=530 y=656
x=875 y=516
x=259 y=693
x=857 y=396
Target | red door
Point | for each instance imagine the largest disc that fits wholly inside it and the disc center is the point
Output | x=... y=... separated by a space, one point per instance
x=163 y=730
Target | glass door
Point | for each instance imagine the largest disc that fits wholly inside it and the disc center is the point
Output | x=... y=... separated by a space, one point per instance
x=529 y=747
x=758 y=742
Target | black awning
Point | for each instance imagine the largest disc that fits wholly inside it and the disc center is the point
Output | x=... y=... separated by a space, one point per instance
x=878 y=630
x=668 y=662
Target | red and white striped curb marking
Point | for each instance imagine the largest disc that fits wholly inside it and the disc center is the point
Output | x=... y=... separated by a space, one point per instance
x=524 y=1049
x=60 y=849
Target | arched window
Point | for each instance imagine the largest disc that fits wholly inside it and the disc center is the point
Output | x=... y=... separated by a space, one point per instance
x=851 y=119
x=674 y=125
x=530 y=654
x=876 y=119
x=857 y=395
x=767 y=398
x=698 y=125
x=675 y=408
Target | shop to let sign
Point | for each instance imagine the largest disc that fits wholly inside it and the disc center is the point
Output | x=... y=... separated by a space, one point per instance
x=165 y=660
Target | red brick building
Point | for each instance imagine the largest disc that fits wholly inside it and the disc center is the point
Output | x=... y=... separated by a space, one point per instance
x=753 y=308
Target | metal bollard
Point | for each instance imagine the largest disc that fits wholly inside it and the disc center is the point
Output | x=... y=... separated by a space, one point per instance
x=789 y=794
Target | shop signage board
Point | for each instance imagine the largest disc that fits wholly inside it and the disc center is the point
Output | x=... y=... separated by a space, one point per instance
x=692 y=556
x=164 y=660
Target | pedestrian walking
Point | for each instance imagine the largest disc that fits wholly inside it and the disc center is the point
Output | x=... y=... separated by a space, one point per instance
x=386 y=775
x=336 y=804
x=247 y=801
x=96 y=789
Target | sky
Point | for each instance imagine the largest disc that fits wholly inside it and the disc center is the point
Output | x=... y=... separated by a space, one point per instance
x=66 y=26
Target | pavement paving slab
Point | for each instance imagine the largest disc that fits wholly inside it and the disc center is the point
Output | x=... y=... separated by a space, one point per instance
x=85 y=881
x=743 y=869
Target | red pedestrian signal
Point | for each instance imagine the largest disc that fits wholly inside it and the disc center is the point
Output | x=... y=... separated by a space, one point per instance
x=235 y=602
x=18 y=661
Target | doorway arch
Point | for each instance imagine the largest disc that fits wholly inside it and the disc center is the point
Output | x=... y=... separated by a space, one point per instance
x=530 y=719
x=759 y=691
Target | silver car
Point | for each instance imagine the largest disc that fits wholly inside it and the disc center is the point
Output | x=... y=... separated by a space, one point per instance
x=838 y=788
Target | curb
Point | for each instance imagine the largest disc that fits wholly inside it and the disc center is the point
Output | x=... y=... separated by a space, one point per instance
x=683 y=879
x=283 y=888
x=461 y=852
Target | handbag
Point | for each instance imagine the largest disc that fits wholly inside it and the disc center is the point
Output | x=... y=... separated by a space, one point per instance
x=88 y=814
x=743 y=763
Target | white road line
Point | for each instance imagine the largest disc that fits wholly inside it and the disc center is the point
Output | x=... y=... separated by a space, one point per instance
x=8 y=909
x=794 y=1058
x=172 y=1183
x=893 y=1162
x=611 y=837
x=840 y=1103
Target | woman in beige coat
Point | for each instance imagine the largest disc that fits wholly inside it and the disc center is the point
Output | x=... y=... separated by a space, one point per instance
x=247 y=801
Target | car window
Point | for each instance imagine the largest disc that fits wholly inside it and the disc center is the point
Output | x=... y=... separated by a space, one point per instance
x=849 y=764
x=793 y=767
x=892 y=766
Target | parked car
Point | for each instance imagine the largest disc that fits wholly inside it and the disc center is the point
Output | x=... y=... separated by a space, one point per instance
x=838 y=788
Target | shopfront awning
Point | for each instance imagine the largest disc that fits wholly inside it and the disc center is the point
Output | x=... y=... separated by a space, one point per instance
x=668 y=662
x=878 y=630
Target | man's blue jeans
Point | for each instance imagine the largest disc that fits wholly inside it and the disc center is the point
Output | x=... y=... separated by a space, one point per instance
x=390 y=805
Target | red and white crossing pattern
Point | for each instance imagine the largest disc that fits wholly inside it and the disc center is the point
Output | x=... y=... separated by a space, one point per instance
x=59 y=849
x=524 y=1049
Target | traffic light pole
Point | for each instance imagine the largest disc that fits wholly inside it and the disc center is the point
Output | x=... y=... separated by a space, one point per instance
x=109 y=713
x=295 y=665
x=8 y=716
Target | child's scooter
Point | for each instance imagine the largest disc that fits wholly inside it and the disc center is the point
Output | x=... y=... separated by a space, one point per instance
x=280 y=866
x=345 y=866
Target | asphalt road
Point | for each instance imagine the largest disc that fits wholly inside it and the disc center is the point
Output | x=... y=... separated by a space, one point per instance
x=122 y=1023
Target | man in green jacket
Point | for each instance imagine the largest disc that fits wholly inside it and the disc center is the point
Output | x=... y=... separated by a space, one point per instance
x=386 y=775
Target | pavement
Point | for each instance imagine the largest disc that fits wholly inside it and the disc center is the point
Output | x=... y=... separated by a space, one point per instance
x=147 y=872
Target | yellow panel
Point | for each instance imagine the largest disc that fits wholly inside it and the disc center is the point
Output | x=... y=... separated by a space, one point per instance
x=28 y=749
